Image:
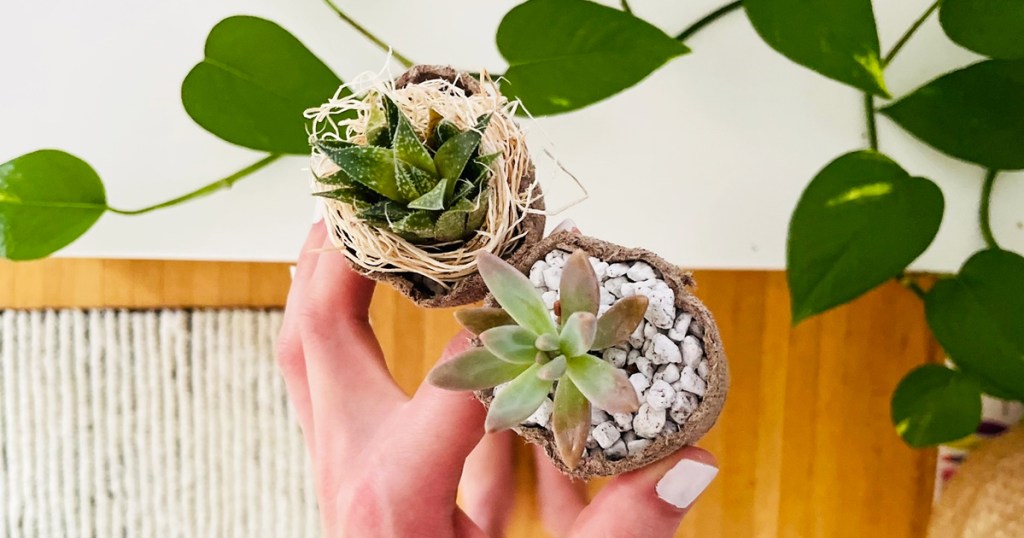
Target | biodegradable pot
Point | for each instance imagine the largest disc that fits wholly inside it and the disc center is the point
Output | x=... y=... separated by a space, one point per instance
x=469 y=289
x=699 y=422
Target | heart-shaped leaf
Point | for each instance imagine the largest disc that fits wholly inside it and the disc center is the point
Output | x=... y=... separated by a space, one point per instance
x=570 y=422
x=975 y=114
x=567 y=54
x=990 y=27
x=976 y=316
x=254 y=84
x=860 y=222
x=836 y=38
x=47 y=199
x=934 y=404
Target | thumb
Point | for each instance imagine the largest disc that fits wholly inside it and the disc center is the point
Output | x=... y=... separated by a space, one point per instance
x=658 y=496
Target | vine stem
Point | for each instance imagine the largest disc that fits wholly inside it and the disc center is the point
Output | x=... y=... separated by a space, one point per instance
x=625 y=6
x=869 y=116
x=402 y=59
x=708 y=19
x=908 y=34
x=909 y=282
x=223 y=183
x=984 y=212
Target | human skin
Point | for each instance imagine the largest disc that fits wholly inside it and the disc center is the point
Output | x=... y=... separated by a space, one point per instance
x=385 y=464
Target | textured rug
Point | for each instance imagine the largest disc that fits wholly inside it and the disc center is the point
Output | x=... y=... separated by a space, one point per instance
x=148 y=424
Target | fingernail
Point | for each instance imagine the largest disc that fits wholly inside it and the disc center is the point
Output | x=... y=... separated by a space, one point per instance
x=291 y=270
x=567 y=225
x=318 y=210
x=683 y=483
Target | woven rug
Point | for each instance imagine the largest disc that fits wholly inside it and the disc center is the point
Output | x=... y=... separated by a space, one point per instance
x=148 y=424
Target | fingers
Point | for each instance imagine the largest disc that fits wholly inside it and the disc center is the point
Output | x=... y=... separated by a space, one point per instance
x=289 y=344
x=487 y=489
x=658 y=497
x=559 y=499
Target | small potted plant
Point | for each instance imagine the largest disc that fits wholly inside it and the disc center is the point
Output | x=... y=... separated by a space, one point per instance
x=602 y=355
x=421 y=175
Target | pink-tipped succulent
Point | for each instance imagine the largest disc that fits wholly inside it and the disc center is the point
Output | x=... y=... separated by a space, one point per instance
x=523 y=346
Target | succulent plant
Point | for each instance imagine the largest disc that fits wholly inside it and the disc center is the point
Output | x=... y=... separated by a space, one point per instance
x=524 y=347
x=426 y=190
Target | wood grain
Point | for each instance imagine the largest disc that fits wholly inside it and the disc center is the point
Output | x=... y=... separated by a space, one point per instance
x=805 y=445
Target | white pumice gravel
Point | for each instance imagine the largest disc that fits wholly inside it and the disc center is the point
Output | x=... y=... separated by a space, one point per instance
x=664 y=357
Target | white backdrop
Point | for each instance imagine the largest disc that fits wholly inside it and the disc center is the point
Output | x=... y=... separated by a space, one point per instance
x=705 y=163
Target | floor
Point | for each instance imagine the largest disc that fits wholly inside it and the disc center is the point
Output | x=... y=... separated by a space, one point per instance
x=805 y=443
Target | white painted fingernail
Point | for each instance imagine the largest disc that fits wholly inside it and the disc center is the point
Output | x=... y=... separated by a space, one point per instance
x=318 y=210
x=683 y=483
x=292 y=271
x=567 y=225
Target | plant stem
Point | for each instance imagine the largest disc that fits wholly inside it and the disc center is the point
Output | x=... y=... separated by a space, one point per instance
x=402 y=59
x=708 y=19
x=984 y=213
x=625 y=6
x=911 y=284
x=223 y=183
x=908 y=34
x=869 y=116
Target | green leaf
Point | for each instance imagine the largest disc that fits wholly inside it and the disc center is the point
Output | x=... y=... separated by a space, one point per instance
x=452 y=156
x=515 y=293
x=989 y=27
x=567 y=54
x=860 y=222
x=418 y=225
x=606 y=386
x=372 y=167
x=47 y=199
x=412 y=181
x=451 y=226
x=570 y=422
x=475 y=369
x=517 y=401
x=409 y=148
x=383 y=214
x=976 y=316
x=553 y=369
x=433 y=200
x=349 y=194
x=254 y=84
x=615 y=326
x=974 y=114
x=378 y=133
x=445 y=131
x=579 y=290
x=836 y=38
x=577 y=333
x=478 y=214
x=478 y=320
x=511 y=343
x=934 y=404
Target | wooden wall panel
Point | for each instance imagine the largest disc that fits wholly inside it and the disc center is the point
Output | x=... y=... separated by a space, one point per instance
x=804 y=444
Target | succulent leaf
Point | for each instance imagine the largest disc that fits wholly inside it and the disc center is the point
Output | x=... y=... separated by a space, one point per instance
x=547 y=342
x=445 y=130
x=412 y=181
x=452 y=156
x=433 y=199
x=606 y=386
x=474 y=369
x=478 y=320
x=510 y=343
x=391 y=115
x=515 y=293
x=377 y=131
x=579 y=290
x=478 y=215
x=553 y=369
x=570 y=422
x=409 y=148
x=416 y=225
x=451 y=226
x=615 y=326
x=383 y=214
x=577 y=333
x=517 y=401
x=433 y=119
x=350 y=194
x=373 y=167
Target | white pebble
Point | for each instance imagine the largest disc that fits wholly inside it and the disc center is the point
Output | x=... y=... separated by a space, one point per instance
x=640 y=271
x=536 y=273
x=649 y=421
x=623 y=421
x=616 y=451
x=552 y=277
x=614 y=285
x=646 y=349
x=692 y=351
x=678 y=330
x=598 y=416
x=591 y=442
x=616 y=270
x=601 y=310
x=660 y=395
x=637 y=338
x=664 y=350
x=607 y=299
x=683 y=406
x=600 y=267
x=556 y=258
x=549 y=298
x=637 y=446
x=670 y=427
x=542 y=415
x=703 y=369
x=640 y=383
x=668 y=373
x=661 y=311
x=697 y=330
x=615 y=356
x=691 y=382
x=643 y=364
x=632 y=356
x=606 y=434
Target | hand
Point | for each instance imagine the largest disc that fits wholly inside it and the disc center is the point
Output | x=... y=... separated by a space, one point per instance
x=387 y=465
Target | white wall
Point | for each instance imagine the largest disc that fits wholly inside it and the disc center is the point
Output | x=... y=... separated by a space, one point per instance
x=704 y=164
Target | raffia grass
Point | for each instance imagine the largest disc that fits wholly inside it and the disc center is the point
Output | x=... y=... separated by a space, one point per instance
x=515 y=205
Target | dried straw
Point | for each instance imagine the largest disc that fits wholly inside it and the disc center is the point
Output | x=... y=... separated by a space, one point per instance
x=511 y=199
